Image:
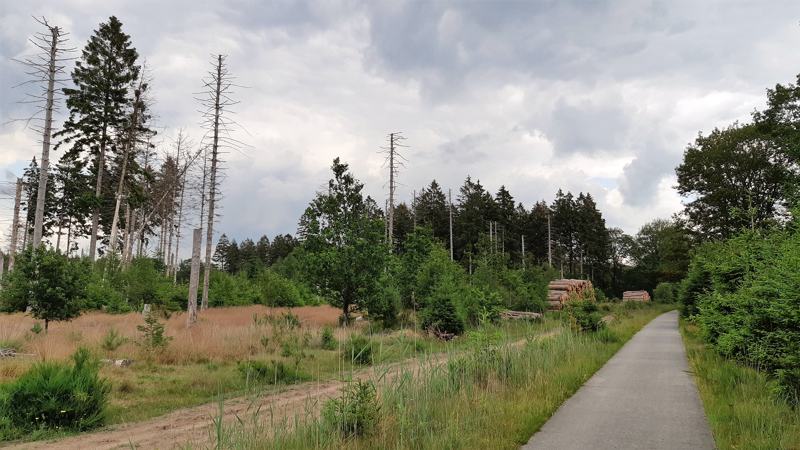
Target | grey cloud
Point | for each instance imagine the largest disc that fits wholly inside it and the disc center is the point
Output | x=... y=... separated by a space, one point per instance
x=587 y=127
x=641 y=176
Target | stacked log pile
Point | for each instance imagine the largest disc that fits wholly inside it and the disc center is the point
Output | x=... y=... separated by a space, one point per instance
x=520 y=315
x=560 y=292
x=635 y=296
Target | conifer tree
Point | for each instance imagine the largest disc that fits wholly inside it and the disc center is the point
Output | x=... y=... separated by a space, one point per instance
x=97 y=108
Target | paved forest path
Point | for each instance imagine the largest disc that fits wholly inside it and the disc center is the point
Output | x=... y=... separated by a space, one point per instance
x=643 y=398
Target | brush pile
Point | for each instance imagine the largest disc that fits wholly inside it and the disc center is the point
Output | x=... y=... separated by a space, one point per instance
x=560 y=292
x=635 y=296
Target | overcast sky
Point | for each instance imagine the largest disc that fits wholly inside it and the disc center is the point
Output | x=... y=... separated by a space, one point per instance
x=598 y=96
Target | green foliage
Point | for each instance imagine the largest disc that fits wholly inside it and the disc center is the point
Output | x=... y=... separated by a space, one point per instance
x=232 y=290
x=112 y=340
x=737 y=178
x=356 y=412
x=343 y=238
x=664 y=292
x=327 y=339
x=599 y=295
x=100 y=294
x=358 y=349
x=36 y=328
x=277 y=290
x=749 y=305
x=273 y=372
x=47 y=282
x=585 y=316
x=153 y=340
x=440 y=314
x=56 y=396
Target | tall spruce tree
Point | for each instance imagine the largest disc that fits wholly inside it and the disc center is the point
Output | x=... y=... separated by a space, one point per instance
x=97 y=108
x=430 y=208
x=474 y=211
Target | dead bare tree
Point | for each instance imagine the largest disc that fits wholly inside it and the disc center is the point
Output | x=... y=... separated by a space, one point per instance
x=194 y=277
x=12 y=249
x=44 y=71
x=394 y=161
x=181 y=147
x=132 y=136
x=216 y=101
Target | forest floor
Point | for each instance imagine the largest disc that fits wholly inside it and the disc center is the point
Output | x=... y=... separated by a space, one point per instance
x=199 y=426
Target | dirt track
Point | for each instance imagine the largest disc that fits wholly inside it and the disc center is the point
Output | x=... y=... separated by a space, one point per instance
x=195 y=425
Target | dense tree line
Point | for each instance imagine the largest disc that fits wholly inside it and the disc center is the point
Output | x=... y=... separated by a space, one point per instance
x=742 y=287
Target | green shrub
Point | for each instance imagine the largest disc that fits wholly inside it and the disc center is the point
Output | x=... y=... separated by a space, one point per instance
x=153 y=339
x=112 y=340
x=100 y=294
x=599 y=295
x=36 y=328
x=277 y=290
x=57 y=396
x=585 y=316
x=358 y=349
x=748 y=310
x=273 y=372
x=440 y=314
x=327 y=340
x=664 y=293
x=356 y=412
x=48 y=282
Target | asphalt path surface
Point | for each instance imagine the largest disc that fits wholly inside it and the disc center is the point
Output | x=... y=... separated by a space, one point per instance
x=644 y=397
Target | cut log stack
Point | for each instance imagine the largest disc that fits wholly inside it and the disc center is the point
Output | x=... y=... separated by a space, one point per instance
x=559 y=292
x=635 y=296
x=520 y=315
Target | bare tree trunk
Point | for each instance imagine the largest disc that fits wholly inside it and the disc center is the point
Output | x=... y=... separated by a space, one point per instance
x=129 y=146
x=130 y=234
x=450 y=212
x=212 y=184
x=58 y=236
x=12 y=251
x=38 y=223
x=390 y=207
x=178 y=234
x=2 y=264
x=69 y=235
x=127 y=235
x=194 y=277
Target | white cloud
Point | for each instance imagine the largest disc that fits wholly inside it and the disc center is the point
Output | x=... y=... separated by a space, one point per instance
x=599 y=97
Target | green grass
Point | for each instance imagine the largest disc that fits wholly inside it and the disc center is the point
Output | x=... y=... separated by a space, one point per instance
x=739 y=401
x=491 y=396
x=141 y=392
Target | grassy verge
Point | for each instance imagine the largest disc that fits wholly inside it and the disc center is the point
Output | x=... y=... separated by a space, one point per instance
x=739 y=401
x=490 y=397
x=144 y=390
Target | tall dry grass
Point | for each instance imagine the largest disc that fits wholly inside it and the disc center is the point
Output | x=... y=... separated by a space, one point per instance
x=221 y=334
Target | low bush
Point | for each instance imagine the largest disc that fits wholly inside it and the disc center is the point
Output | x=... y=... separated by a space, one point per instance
x=327 y=339
x=356 y=412
x=440 y=314
x=585 y=316
x=112 y=340
x=277 y=290
x=100 y=294
x=153 y=340
x=664 y=293
x=56 y=396
x=273 y=372
x=358 y=349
